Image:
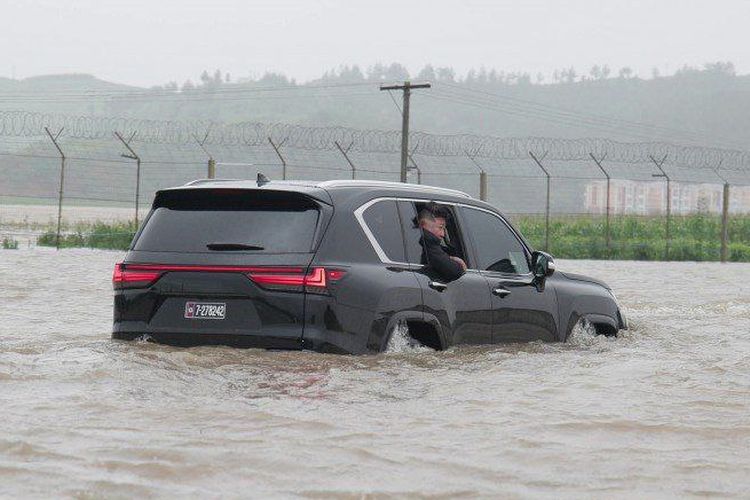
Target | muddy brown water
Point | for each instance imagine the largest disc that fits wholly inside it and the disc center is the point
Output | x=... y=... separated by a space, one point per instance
x=662 y=411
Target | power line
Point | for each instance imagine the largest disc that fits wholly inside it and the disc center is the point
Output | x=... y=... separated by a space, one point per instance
x=561 y=110
x=237 y=88
x=180 y=97
x=557 y=111
x=524 y=113
x=564 y=120
x=395 y=102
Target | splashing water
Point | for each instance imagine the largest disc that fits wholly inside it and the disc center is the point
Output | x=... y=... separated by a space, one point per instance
x=401 y=341
x=583 y=334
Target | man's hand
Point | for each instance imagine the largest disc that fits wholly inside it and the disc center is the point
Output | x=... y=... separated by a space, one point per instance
x=460 y=261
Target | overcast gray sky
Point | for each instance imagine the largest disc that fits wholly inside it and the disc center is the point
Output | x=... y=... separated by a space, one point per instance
x=147 y=42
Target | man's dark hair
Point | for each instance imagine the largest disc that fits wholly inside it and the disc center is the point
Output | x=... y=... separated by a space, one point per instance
x=432 y=210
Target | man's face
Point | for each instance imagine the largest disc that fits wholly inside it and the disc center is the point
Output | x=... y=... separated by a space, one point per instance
x=436 y=227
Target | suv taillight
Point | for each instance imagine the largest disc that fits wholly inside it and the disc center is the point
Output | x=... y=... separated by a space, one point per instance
x=294 y=279
x=133 y=277
x=283 y=278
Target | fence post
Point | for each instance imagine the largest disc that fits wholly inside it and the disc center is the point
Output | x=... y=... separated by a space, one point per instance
x=416 y=167
x=724 y=217
x=278 y=153
x=211 y=162
x=725 y=224
x=133 y=156
x=669 y=199
x=482 y=175
x=546 y=208
x=598 y=162
x=62 y=181
x=346 y=157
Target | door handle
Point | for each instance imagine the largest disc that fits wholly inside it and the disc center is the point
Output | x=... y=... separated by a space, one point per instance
x=501 y=292
x=438 y=286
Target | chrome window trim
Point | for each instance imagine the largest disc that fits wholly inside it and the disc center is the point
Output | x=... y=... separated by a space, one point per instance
x=359 y=215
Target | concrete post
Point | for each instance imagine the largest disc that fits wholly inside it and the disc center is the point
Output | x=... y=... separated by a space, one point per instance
x=725 y=224
x=62 y=182
x=211 y=168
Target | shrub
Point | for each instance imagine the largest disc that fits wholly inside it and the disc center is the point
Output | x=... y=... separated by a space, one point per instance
x=116 y=236
x=10 y=244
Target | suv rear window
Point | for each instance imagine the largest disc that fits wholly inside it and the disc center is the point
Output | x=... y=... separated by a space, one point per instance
x=211 y=220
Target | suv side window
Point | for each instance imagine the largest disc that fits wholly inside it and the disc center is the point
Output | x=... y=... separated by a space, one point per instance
x=382 y=220
x=498 y=249
x=412 y=233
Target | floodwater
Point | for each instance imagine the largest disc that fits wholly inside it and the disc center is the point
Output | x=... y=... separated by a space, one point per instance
x=662 y=411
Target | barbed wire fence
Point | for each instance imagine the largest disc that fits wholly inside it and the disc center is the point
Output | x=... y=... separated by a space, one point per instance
x=92 y=168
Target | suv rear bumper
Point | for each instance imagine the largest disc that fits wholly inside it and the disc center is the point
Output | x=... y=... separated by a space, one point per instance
x=318 y=341
x=190 y=339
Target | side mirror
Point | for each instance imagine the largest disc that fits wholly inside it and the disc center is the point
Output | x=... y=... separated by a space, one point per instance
x=543 y=264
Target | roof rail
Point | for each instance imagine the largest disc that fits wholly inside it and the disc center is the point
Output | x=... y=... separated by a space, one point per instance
x=388 y=184
x=208 y=181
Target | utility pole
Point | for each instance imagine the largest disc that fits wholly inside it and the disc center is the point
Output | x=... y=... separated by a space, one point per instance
x=406 y=87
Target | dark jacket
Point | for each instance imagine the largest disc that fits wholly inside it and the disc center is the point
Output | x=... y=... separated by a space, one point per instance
x=435 y=257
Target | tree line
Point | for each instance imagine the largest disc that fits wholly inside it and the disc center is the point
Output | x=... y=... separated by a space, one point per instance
x=481 y=77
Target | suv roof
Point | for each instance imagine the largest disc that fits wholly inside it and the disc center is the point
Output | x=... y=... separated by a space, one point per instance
x=326 y=185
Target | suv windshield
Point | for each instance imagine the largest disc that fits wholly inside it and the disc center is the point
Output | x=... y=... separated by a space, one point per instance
x=229 y=220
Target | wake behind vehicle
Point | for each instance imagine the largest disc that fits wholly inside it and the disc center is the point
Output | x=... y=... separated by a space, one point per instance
x=334 y=266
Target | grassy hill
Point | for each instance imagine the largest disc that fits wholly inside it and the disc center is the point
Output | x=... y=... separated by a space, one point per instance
x=709 y=107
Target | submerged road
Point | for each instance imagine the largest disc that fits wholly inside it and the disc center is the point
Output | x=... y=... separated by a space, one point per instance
x=664 y=410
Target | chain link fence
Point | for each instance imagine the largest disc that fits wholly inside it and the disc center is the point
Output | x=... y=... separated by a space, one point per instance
x=590 y=197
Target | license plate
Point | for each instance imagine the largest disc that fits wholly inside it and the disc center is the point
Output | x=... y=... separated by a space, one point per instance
x=205 y=310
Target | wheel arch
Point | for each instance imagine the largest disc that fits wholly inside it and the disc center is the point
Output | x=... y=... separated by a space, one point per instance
x=581 y=300
x=423 y=327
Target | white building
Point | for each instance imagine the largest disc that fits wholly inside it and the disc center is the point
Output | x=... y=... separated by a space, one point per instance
x=649 y=198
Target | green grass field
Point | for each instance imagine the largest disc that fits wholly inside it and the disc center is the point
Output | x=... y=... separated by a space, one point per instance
x=694 y=238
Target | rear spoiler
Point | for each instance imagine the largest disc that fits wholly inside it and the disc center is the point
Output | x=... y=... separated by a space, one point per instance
x=194 y=188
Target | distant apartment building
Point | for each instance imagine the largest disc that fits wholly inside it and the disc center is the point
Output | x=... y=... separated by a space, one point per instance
x=649 y=198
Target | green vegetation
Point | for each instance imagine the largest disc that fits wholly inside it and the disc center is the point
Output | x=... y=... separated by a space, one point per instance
x=116 y=236
x=695 y=237
x=10 y=244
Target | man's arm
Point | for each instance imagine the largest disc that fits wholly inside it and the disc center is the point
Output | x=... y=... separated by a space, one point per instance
x=460 y=261
x=442 y=263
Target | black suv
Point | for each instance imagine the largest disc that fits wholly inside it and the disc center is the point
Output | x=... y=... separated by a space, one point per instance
x=335 y=266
